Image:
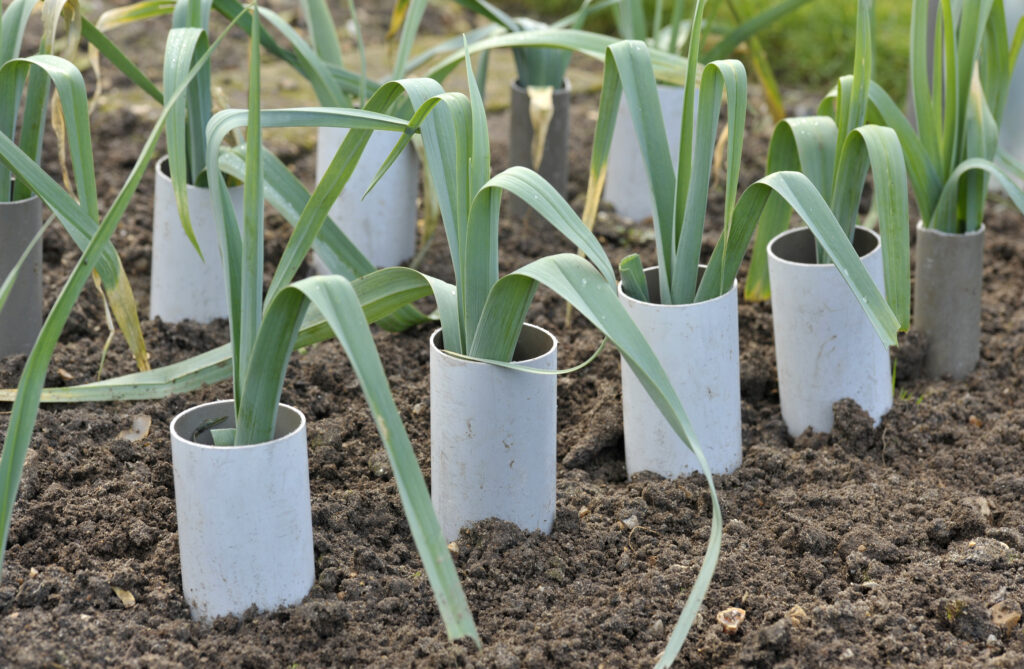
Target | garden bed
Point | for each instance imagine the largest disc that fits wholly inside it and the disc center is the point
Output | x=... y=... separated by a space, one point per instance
x=900 y=544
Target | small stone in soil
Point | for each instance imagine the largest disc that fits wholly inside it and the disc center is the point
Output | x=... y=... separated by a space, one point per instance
x=967 y=619
x=983 y=552
x=797 y=615
x=379 y=465
x=980 y=505
x=730 y=619
x=126 y=597
x=1005 y=615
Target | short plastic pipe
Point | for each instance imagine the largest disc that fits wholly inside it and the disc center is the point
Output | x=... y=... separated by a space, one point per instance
x=825 y=347
x=554 y=164
x=492 y=437
x=698 y=347
x=627 y=186
x=245 y=529
x=22 y=314
x=383 y=223
x=182 y=284
x=947 y=299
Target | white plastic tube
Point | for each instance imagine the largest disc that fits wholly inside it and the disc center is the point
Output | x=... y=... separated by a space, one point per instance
x=383 y=224
x=627 y=187
x=182 y=285
x=825 y=347
x=22 y=315
x=698 y=346
x=492 y=437
x=245 y=530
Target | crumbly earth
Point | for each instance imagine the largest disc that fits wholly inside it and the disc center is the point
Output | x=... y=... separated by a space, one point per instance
x=900 y=544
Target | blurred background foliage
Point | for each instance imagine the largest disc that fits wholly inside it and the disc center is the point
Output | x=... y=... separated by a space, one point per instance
x=809 y=49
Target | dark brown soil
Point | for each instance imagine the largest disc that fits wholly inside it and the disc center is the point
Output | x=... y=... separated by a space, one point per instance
x=864 y=547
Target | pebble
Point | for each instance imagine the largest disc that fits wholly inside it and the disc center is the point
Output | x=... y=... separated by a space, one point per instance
x=980 y=505
x=379 y=465
x=982 y=552
x=126 y=597
x=730 y=619
x=797 y=615
x=1005 y=614
x=627 y=523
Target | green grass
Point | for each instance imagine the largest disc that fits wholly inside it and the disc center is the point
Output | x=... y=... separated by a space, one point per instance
x=809 y=49
x=814 y=46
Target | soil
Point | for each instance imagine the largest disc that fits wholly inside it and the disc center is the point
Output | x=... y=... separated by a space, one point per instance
x=899 y=544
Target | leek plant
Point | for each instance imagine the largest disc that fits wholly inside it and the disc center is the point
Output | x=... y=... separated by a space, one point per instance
x=633 y=22
x=958 y=103
x=481 y=314
x=261 y=331
x=80 y=217
x=680 y=194
x=952 y=153
x=25 y=85
x=188 y=116
x=319 y=61
x=187 y=43
x=835 y=153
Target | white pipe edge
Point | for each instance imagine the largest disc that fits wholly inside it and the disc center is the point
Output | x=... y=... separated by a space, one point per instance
x=493 y=437
x=826 y=348
x=245 y=529
x=182 y=284
x=698 y=347
x=383 y=223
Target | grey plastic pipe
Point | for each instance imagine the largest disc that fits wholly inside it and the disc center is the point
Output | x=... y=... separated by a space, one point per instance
x=628 y=187
x=22 y=315
x=947 y=299
x=554 y=165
